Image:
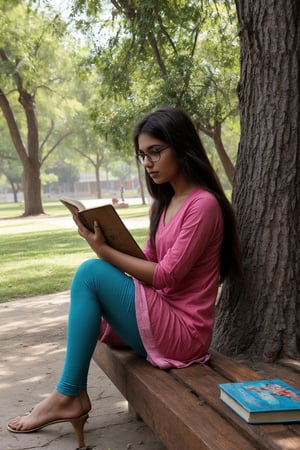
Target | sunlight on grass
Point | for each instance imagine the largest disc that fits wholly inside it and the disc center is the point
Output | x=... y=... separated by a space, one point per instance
x=56 y=209
x=39 y=257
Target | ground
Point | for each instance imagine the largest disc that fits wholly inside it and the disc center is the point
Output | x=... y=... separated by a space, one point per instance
x=32 y=334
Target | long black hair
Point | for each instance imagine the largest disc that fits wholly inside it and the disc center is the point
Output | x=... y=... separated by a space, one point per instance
x=174 y=127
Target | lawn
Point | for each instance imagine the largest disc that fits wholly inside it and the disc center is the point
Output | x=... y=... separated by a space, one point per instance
x=38 y=256
x=55 y=208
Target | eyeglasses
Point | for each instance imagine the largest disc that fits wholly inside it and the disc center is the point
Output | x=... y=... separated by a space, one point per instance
x=153 y=154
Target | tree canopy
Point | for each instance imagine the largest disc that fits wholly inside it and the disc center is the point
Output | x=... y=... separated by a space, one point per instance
x=35 y=71
x=183 y=54
x=143 y=55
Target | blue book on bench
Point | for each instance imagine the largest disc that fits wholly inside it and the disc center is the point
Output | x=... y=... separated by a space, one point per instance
x=262 y=401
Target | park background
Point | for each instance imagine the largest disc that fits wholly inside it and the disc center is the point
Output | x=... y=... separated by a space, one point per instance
x=73 y=80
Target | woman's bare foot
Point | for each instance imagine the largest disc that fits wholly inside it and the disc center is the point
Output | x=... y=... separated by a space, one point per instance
x=55 y=407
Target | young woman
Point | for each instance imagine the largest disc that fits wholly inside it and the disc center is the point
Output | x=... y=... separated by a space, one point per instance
x=162 y=307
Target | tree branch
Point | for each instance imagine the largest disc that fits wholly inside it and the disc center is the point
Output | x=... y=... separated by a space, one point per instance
x=48 y=134
x=156 y=52
x=163 y=28
x=56 y=145
x=13 y=127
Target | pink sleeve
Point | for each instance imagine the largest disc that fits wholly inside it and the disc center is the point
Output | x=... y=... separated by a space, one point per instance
x=201 y=226
x=149 y=251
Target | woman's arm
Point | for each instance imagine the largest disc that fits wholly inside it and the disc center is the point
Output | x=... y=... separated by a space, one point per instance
x=141 y=269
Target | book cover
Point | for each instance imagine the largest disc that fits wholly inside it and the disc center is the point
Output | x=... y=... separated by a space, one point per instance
x=114 y=230
x=262 y=401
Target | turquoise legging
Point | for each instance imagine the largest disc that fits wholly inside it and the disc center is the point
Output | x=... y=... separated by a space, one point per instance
x=98 y=289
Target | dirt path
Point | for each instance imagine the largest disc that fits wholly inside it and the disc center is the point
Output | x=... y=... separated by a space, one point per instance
x=32 y=344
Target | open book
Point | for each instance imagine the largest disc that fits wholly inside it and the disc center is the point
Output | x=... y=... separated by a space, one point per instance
x=114 y=230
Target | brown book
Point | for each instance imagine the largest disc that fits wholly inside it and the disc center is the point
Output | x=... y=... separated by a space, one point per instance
x=114 y=230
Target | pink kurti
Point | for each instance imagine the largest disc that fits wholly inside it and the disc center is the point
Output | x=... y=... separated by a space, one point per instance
x=175 y=317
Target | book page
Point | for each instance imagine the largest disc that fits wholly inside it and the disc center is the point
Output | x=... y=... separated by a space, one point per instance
x=73 y=205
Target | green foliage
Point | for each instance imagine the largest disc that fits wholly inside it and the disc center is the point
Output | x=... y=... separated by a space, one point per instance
x=168 y=46
x=141 y=55
x=92 y=7
x=64 y=171
x=10 y=166
x=38 y=52
x=29 y=39
x=176 y=53
x=39 y=60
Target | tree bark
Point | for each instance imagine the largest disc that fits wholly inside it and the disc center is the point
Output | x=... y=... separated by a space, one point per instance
x=30 y=157
x=260 y=318
x=32 y=188
x=97 y=173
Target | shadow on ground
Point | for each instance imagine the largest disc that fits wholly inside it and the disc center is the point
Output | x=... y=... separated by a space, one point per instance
x=32 y=345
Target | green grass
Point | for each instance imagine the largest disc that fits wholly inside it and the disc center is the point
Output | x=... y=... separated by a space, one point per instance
x=55 y=208
x=38 y=257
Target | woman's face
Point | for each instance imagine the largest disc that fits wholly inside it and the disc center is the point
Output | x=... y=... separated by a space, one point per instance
x=164 y=168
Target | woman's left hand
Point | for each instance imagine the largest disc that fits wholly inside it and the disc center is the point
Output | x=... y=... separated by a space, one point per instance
x=95 y=240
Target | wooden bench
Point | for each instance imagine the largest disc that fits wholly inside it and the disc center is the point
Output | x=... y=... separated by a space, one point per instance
x=183 y=406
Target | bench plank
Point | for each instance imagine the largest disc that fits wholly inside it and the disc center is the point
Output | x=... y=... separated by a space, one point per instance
x=205 y=382
x=231 y=368
x=183 y=406
x=177 y=417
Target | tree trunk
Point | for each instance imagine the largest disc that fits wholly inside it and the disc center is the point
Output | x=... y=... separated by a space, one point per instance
x=215 y=133
x=98 y=181
x=14 y=188
x=32 y=189
x=260 y=318
x=141 y=184
x=28 y=156
x=225 y=160
x=31 y=175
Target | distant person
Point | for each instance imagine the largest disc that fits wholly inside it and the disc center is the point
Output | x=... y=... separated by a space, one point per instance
x=162 y=307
